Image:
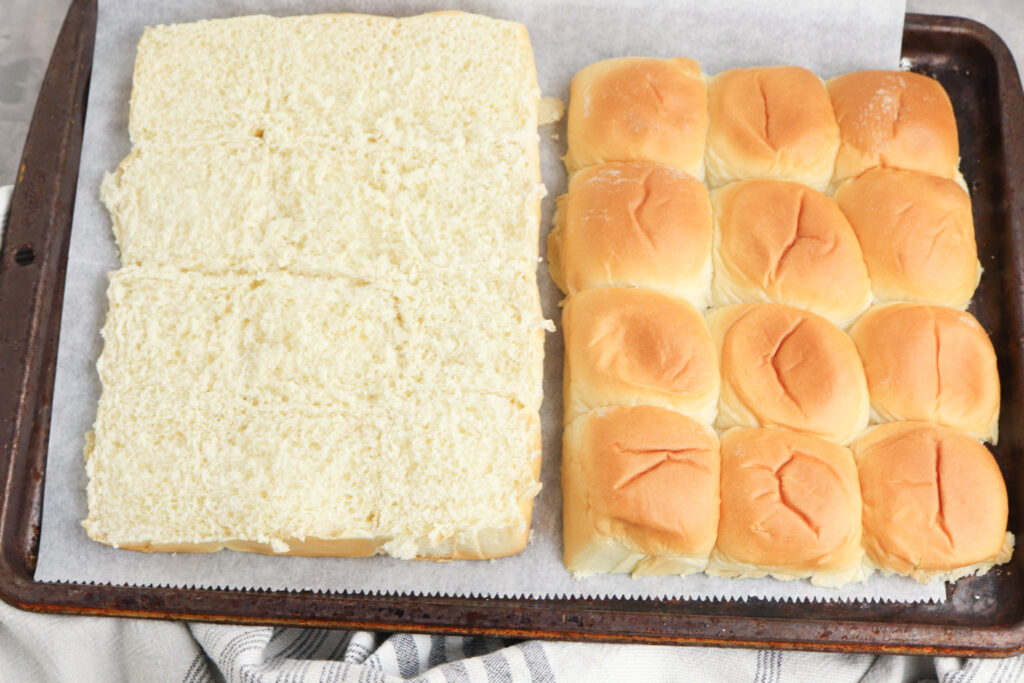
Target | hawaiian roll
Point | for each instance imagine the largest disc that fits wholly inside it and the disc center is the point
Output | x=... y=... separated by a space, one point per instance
x=783 y=242
x=770 y=122
x=929 y=363
x=917 y=235
x=788 y=368
x=893 y=119
x=640 y=489
x=638 y=109
x=934 y=502
x=790 y=509
x=633 y=224
x=637 y=346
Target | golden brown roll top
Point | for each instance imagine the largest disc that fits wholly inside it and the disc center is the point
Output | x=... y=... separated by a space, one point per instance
x=917 y=235
x=638 y=243
x=640 y=487
x=893 y=119
x=638 y=109
x=934 y=502
x=770 y=122
x=784 y=242
x=634 y=347
x=791 y=508
x=634 y=224
x=788 y=368
x=930 y=363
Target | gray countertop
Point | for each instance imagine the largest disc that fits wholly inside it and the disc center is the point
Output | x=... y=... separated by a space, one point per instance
x=28 y=29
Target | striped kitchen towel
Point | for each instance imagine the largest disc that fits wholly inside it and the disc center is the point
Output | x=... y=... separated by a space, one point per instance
x=251 y=655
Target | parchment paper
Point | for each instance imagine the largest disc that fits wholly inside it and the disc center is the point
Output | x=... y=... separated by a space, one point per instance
x=828 y=37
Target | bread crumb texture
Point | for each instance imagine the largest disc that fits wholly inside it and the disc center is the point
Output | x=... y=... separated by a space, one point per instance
x=327 y=327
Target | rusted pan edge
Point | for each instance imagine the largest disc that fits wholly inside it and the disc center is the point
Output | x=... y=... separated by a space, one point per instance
x=33 y=260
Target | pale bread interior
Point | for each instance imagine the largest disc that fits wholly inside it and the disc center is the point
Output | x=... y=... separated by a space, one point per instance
x=326 y=338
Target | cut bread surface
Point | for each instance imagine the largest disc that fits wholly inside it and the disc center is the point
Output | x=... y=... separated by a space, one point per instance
x=365 y=210
x=326 y=337
x=216 y=470
x=447 y=75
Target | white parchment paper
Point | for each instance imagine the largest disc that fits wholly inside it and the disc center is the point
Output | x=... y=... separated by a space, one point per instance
x=828 y=37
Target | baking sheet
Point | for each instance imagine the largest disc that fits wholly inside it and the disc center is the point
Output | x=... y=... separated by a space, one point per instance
x=828 y=37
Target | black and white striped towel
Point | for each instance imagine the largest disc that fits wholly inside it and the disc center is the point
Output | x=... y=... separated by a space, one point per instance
x=248 y=654
x=35 y=647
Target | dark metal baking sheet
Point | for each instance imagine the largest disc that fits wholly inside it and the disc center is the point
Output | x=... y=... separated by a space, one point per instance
x=982 y=616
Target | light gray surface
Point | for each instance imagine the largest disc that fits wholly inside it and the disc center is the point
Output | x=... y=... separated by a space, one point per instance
x=28 y=30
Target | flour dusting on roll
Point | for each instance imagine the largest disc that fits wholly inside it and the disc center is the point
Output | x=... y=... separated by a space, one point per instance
x=633 y=224
x=893 y=119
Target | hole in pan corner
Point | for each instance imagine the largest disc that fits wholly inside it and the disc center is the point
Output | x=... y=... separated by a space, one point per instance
x=25 y=255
